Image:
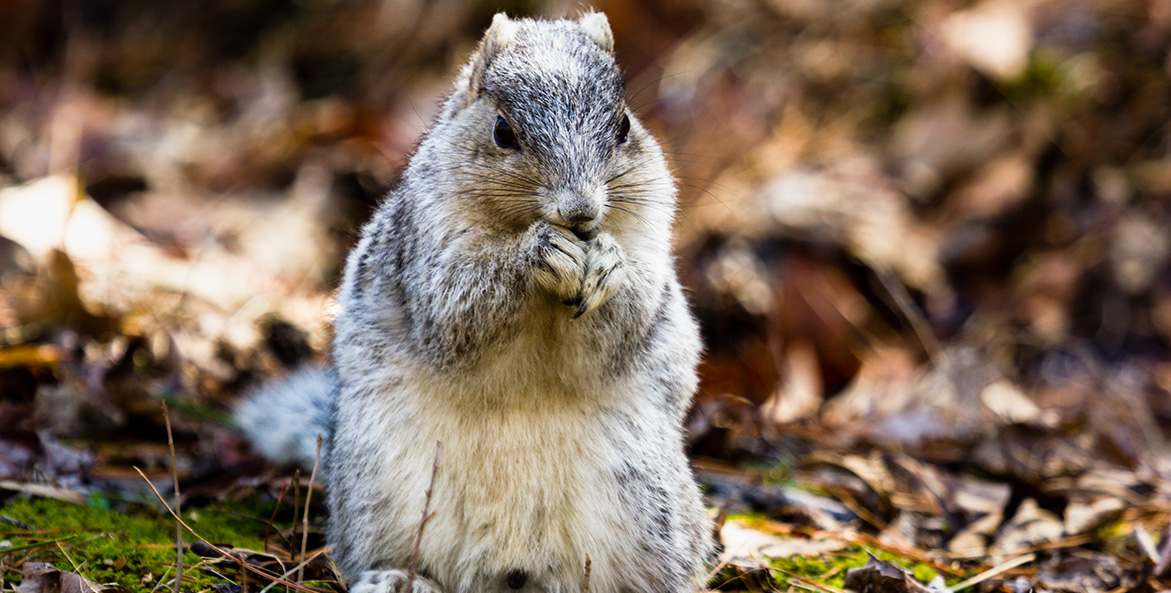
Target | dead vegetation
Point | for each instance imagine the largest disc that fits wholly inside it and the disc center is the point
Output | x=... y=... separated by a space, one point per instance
x=927 y=241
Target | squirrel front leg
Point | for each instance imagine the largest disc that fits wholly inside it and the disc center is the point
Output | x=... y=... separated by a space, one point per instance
x=557 y=259
x=583 y=274
x=605 y=272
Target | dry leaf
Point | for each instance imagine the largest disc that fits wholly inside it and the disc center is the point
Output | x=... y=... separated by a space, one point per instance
x=748 y=548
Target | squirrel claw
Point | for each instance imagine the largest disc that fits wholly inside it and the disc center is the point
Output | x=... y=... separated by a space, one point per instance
x=581 y=310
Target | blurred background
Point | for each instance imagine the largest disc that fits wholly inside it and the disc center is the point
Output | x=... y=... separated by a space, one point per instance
x=927 y=241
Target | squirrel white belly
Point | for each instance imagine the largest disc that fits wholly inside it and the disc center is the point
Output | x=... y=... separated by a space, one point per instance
x=514 y=299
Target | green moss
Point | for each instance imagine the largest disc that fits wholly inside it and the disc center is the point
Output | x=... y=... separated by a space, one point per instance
x=132 y=545
x=128 y=544
x=830 y=569
x=924 y=573
x=813 y=569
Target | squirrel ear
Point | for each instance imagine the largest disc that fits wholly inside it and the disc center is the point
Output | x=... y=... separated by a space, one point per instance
x=498 y=36
x=598 y=27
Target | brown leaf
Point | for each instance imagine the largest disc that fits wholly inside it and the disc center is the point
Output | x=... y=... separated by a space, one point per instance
x=1084 y=516
x=42 y=577
x=878 y=576
x=1087 y=573
x=1031 y=526
x=748 y=548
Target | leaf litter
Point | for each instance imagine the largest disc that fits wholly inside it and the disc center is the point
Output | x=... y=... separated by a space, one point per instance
x=926 y=241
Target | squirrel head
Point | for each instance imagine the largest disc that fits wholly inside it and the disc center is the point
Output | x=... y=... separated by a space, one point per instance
x=538 y=127
x=503 y=32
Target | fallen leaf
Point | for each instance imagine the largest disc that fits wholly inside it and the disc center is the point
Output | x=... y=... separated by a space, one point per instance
x=1030 y=526
x=878 y=576
x=41 y=577
x=1083 y=516
x=994 y=37
x=1090 y=572
x=748 y=548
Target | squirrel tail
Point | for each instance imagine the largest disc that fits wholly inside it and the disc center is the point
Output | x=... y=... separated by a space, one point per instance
x=283 y=418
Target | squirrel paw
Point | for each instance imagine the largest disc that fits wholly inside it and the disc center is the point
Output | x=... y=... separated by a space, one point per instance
x=559 y=260
x=392 y=581
x=605 y=271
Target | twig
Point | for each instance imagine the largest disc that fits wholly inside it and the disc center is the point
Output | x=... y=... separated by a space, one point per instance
x=1146 y=544
x=296 y=507
x=337 y=571
x=6 y=551
x=161 y=580
x=178 y=510
x=268 y=528
x=77 y=569
x=715 y=571
x=217 y=549
x=806 y=583
x=20 y=524
x=902 y=301
x=308 y=496
x=423 y=522
x=987 y=574
x=585 y=585
x=296 y=568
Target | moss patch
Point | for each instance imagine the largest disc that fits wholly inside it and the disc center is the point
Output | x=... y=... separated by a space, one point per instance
x=131 y=545
x=828 y=569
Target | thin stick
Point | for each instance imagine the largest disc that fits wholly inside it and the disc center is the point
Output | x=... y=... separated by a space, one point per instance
x=175 y=477
x=906 y=305
x=296 y=506
x=77 y=569
x=423 y=522
x=980 y=578
x=711 y=575
x=217 y=549
x=308 y=496
x=585 y=586
x=295 y=568
x=268 y=528
x=161 y=580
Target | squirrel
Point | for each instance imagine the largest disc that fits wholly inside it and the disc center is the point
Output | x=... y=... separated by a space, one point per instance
x=513 y=299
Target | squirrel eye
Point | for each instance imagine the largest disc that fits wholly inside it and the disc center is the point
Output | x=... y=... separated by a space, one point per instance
x=504 y=136
x=624 y=129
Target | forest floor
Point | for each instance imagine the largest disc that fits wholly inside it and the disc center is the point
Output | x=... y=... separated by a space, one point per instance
x=927 y=242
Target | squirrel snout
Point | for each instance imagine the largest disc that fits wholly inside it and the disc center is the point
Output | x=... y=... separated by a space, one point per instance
x=580 y=212
x=582 y=222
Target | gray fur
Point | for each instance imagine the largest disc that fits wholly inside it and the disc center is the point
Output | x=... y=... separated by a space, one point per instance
x=283 y=428
x=555 y=364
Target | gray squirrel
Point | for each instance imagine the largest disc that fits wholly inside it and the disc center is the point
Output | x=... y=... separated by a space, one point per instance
x=514 y=299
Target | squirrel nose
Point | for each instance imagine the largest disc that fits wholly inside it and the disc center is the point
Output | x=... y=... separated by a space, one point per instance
x=580 y=222
x=577 y=217
x=578 y=211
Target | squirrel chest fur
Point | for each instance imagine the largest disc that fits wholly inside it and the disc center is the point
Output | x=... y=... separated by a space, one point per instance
x=514 y=299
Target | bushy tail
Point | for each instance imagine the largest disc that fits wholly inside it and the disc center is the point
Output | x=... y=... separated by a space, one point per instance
x=283 y=418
